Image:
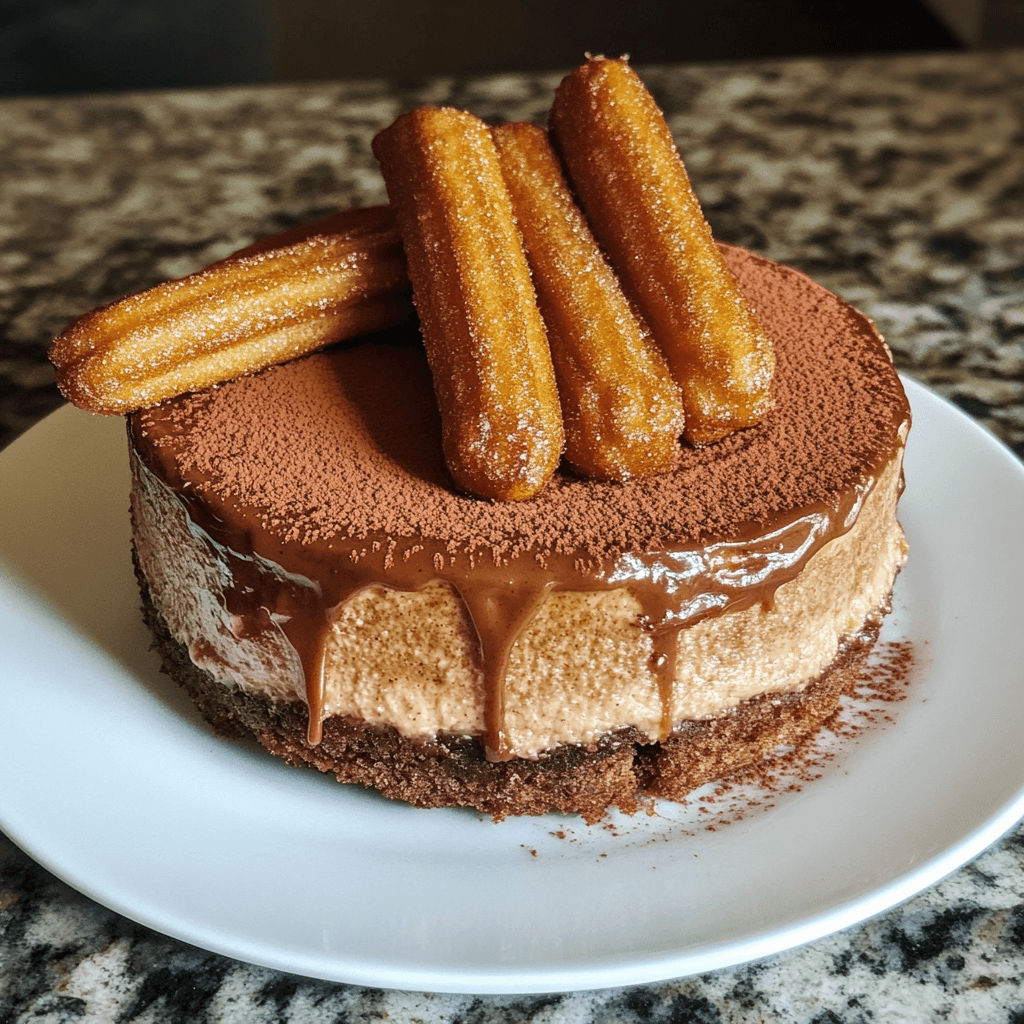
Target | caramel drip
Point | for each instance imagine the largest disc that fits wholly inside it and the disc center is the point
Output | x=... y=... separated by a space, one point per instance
x=663 y=664
x=499 y=613
x=300 y=588
x=275 y=468
x=294 y=605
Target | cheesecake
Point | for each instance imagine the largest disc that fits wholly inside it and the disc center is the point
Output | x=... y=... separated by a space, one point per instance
x=314 y=579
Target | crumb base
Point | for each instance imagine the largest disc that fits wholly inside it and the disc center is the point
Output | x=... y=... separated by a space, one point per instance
x=624 y=770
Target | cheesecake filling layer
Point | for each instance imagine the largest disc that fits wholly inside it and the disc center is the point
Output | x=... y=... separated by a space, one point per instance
x=300 y=535
x=767 y=616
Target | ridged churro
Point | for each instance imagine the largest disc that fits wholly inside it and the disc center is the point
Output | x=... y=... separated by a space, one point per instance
x=631 y=183
x=267 y=304
x=622 y=410
x=484 y=336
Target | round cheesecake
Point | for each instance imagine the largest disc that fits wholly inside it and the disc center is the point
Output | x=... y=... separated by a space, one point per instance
x=313 y=577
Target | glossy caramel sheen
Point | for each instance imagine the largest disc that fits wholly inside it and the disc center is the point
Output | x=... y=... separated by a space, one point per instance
x=299 y=538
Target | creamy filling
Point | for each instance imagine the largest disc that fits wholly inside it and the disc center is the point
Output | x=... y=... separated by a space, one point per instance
x=530 y=655
x=325 y=555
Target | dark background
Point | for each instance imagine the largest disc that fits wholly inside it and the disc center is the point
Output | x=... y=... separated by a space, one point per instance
x=72 y=46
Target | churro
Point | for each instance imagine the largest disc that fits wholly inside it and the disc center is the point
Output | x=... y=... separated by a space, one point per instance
x=622 y=410
x=634 y=190
x=265 y=305
x=484 y=336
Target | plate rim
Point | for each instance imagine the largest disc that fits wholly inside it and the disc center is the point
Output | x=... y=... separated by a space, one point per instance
x=639 y=969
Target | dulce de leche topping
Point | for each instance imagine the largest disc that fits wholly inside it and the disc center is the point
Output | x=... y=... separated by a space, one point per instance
x=331 y=467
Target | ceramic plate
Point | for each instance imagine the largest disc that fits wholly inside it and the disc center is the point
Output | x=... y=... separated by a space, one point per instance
x=111 y=780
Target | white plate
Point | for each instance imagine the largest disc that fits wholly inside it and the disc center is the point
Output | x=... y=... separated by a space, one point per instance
x=110 y=779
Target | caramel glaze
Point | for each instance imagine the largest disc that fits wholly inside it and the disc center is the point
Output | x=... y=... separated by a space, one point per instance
x=674 y=588
x=297 y=586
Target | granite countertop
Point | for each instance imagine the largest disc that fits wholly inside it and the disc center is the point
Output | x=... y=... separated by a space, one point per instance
x=898 y=182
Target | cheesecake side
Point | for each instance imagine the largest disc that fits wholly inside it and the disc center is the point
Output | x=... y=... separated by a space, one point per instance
x=651 y=635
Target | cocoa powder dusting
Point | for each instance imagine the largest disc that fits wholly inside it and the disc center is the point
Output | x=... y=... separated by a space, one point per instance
x=347 y=444
x=867 y=704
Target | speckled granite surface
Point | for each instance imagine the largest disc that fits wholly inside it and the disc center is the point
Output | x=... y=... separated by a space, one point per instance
x=897 y=182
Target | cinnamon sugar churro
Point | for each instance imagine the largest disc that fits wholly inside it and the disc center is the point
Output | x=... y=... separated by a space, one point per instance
x=632 y=185
x=622 y=410
x=264 y=305
x=484 y=336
